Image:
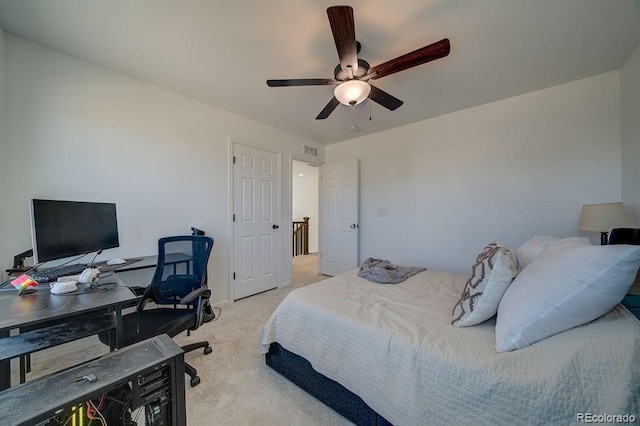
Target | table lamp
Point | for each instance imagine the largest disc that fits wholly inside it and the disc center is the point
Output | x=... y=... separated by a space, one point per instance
x=603 y=218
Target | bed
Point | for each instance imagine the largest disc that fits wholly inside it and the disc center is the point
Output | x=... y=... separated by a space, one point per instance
x=388 y=354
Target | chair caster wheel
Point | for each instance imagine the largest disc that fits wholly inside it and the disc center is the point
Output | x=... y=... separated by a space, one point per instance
x=195 y=381
x=208 y=350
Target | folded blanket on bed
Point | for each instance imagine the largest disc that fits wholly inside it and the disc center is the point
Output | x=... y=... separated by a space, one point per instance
x=384 y=272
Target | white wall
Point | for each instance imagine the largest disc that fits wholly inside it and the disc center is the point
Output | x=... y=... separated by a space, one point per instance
x=305 y=199
x=630 y=119
x=80 y=132
x=504 y=171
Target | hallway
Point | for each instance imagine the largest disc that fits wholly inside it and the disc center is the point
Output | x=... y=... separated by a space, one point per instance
x=305 y=270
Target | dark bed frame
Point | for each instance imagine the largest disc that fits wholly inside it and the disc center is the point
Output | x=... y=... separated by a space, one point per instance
x=299 y=371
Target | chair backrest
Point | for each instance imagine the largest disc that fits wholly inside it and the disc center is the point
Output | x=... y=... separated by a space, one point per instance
x=625 y=236
x=182 y=267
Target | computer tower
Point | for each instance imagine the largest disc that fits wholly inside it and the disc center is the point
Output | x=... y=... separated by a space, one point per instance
x=149 y=374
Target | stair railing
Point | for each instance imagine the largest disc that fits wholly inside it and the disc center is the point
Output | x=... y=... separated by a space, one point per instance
x=301 y=237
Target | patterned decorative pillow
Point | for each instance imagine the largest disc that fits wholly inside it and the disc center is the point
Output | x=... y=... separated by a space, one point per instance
x=495 y=268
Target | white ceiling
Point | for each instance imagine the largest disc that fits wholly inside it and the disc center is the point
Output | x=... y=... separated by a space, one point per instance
x=221 y=52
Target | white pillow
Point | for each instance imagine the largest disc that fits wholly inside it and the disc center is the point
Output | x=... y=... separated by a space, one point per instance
x=564 y=287
x=491 y=274
x=571 y=241
x=535 y=245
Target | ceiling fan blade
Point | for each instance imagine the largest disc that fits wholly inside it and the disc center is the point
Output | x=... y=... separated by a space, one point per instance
x=333 y=103
x=421 y=56
x=301 y=82
x=383 y=98
x=344 y=34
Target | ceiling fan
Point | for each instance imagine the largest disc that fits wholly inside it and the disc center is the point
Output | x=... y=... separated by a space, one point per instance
x=352 y=75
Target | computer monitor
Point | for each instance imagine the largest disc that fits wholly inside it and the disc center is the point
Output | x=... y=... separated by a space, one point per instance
x=62 y=229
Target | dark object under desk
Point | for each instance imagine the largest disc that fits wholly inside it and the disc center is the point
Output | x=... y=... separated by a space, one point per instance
x=154 y=367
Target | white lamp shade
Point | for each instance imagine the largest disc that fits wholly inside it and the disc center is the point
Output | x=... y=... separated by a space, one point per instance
x=352 y=92
x=603 y=217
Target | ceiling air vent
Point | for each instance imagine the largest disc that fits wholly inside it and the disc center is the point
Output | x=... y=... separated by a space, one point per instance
x=309 y=150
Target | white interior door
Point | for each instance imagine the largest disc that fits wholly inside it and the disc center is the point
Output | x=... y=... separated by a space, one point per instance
x=339 y=227
x=255 y=215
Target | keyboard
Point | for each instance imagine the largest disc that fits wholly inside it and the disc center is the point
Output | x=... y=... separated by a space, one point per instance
x=52 y=274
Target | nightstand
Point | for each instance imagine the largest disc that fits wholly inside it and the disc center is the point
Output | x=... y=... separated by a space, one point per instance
x=632 y=303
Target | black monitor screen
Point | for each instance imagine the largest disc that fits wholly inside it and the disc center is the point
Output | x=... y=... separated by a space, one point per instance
x=61 y=229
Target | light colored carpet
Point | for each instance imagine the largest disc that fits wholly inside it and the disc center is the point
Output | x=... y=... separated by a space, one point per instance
x=237 y=387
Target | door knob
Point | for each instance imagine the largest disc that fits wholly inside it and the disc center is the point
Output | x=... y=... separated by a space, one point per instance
x=275 y=227
x=354 y=226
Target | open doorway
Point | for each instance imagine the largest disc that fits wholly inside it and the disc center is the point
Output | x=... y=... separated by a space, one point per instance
x=304 y=206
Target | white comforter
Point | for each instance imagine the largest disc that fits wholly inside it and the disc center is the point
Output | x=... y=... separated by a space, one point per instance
x=395 y=347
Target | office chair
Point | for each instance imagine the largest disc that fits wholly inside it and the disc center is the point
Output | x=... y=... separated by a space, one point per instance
x=179 y=290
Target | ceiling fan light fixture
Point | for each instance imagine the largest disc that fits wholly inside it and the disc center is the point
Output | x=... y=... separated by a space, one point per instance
x=352 y=92
x=352 y=74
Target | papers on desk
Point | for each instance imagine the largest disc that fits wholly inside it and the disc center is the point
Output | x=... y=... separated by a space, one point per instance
x=23 y=283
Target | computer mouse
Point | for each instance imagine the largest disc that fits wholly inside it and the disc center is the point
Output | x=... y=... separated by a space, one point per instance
x=116 y=261
x=62 y=287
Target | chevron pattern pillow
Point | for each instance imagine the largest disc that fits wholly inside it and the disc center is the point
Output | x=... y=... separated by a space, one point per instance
x=491 y=274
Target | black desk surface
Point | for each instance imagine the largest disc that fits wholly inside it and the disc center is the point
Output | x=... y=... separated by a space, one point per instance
x=41 y=306
x=144 y=262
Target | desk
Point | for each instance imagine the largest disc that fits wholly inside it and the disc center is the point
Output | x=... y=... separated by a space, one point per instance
x=145 y=262
x=132 y=264
x=138 y=272
x=41 y=309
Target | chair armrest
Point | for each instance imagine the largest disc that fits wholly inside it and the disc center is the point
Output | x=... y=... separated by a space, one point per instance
x=145 y=297
x=205 y=293
x=144 y=301
x=138 y=291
